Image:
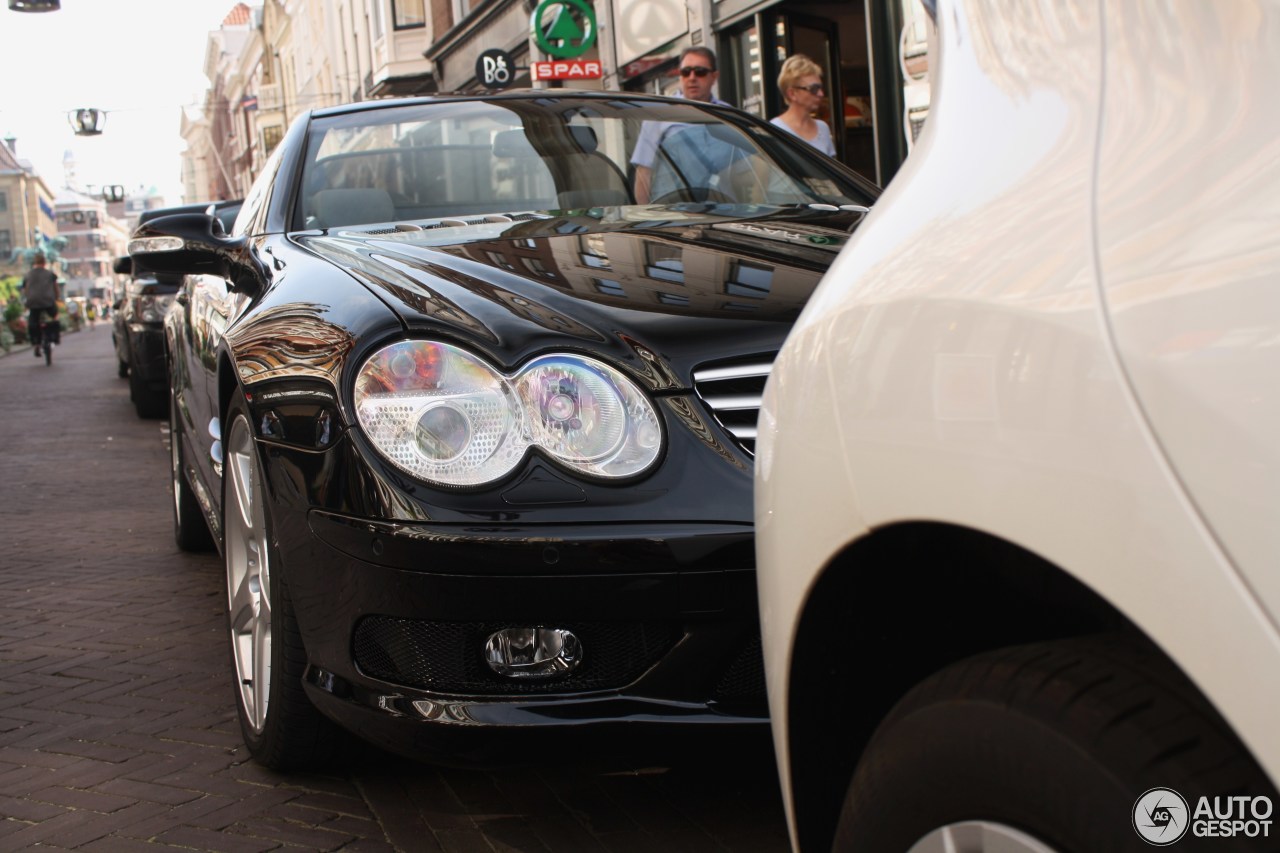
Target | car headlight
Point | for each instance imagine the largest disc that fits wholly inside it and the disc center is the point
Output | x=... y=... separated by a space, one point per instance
x=443 y=415
x=151 y=307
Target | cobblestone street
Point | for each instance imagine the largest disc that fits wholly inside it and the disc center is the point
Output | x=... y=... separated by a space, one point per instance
x=117 y=723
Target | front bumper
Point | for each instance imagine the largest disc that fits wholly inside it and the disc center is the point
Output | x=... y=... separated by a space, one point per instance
x=146 y=354
x=394 y=619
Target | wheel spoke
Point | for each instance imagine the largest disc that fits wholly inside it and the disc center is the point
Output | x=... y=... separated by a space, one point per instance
x=248 y=574
x=242 y=483
x=262 y=663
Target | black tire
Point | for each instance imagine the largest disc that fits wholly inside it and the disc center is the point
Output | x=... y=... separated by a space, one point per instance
x=190 y=529
x=286 y=731
x=149 y=404
x=1054 y=740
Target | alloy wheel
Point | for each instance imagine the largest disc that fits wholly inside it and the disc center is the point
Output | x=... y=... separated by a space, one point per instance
x=175 y=460
x=248 y=575
x=978 y=837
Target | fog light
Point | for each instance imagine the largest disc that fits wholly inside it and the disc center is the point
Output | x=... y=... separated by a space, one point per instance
x=533 y=652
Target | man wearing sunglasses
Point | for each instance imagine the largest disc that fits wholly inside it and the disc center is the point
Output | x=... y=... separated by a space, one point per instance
x=698 y=75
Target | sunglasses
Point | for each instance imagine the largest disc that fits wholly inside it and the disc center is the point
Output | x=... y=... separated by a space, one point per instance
x=698 y=70
x=812 y=88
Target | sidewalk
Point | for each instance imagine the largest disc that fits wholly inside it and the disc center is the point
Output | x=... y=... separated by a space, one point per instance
x=117 y=724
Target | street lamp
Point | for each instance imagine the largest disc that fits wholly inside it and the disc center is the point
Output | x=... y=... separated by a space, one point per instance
x=113 y=193
x=35 y=5
x=87 y=122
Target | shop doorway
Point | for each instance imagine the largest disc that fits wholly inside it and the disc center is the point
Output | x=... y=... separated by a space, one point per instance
x=832 y=34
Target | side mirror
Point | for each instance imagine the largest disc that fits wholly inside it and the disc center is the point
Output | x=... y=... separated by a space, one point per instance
x=123 y=265
x=194 y=244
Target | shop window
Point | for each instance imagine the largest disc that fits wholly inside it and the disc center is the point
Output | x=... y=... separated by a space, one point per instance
x=742 y=69
x=408 y=14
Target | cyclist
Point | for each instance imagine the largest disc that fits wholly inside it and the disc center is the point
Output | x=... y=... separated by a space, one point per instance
x=40 y=290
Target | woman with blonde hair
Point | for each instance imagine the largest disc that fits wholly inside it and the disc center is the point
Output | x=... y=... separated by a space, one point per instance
x=800 y=83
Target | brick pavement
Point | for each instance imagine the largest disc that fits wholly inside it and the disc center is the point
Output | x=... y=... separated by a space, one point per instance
x=117 y=723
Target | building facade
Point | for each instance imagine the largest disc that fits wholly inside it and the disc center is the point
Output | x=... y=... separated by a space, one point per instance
x=94 y=239
x=27 y=210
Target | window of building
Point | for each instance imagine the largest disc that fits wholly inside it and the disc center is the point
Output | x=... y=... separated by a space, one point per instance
x=673 y=299
x=462 y=8
x=609 y=287
x=4 y=201
x=6 y=244
x=751 y=280
x=499 y=260
x=409 y=13
x=592 y=253
x=271 y=137
x=537 y=267
x=664 y=262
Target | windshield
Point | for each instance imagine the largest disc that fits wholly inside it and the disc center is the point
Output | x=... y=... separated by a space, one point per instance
x=465 y=158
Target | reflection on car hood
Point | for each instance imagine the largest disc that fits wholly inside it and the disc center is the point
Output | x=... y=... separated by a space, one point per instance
x=689 y=287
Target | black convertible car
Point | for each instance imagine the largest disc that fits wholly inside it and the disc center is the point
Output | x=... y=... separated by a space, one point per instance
x=137 y=330
x=473 y=429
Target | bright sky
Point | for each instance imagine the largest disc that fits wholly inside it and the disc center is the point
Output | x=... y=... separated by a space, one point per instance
x=140 y=60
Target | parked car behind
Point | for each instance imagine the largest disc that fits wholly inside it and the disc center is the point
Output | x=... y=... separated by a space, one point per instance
x=137 y=326
x=1020 y=457
x=473 y=430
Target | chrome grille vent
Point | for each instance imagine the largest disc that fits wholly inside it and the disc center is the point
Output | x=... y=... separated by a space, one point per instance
x=733 y=392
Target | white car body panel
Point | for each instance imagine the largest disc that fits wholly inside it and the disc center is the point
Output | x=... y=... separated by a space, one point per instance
x=957 y=363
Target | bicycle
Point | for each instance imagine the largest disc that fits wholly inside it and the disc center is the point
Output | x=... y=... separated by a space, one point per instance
x=50 y=328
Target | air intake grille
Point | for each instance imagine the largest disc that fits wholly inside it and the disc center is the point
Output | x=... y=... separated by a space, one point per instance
x=733 y=392
x=744 y=679
x=448 y=657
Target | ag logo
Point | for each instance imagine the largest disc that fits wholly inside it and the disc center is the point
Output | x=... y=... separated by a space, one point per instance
x=1161 y=816
x=563 y=28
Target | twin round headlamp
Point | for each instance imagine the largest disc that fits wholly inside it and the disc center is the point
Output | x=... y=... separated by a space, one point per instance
x=441 y=414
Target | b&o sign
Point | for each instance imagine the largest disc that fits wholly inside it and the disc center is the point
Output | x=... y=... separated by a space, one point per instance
x=495 y=69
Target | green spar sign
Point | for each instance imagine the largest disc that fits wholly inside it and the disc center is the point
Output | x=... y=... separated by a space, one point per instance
x=569 y=29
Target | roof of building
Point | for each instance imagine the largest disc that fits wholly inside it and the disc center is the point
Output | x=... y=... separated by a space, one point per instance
x=238 y=15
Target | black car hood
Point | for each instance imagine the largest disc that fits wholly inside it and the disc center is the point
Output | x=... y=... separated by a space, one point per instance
x=662 y=289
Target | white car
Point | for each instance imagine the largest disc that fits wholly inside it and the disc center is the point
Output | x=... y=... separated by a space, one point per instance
x=1018 y=483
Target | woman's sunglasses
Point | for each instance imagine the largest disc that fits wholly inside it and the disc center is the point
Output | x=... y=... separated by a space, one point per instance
x=697 y=70
x=812 y=88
